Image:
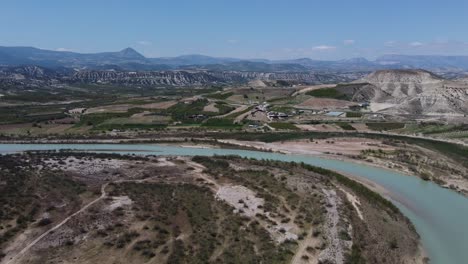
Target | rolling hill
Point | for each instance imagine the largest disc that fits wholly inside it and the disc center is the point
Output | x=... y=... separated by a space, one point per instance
x=413 y=92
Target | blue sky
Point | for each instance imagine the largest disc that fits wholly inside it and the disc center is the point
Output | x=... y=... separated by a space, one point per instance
x=239 y=28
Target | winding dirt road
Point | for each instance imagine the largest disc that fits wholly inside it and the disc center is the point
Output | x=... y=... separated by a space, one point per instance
x=17 y=257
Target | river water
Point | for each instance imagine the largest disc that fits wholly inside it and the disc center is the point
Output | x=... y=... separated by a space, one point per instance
x=439 y=215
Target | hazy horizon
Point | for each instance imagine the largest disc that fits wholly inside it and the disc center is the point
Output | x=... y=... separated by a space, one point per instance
x=329 y=30
x=231 y=57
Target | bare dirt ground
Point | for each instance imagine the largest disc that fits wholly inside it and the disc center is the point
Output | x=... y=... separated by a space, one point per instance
x=257 y=83
x=336 y=247
x=311 y=88
x=233 y=194
x=348 y=146
x=354 y=201
x=360 y=127
x=142 y=118
x=320 y=127
x=375 y=107
x=57 y=129
x=237 y=110
x=257 y=116
x=122 y=108
x=86 y=166
x=159 y=105
x=211 y=108
x=109 y=108
x=247 y=203
x=241 y=117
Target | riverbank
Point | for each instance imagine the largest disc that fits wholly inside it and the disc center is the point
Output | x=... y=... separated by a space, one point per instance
x=443 y=171
x=349 y=150
x=302 y=208
x=427 y=203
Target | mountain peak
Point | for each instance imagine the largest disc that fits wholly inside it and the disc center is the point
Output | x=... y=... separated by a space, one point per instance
x=405 y=76
x=356 y=60
x=131 y=53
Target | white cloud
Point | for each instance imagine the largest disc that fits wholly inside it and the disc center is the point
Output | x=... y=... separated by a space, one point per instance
x=144 y=43
x=416 y=44
x=349 y=41
x=232 y=41
x=390 y=43
x=323 y=47
x=63 y=49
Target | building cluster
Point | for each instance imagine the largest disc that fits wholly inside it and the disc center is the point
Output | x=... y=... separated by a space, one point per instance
x=272 y=115
x=76 y=111
x=276 y=115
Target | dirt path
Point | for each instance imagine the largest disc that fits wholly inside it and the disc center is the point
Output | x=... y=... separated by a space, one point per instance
x=17 y=257
x=270 y=127
x=354 y=201
x=241 y=117
x=237 y=110
x=198 y=170
x=211 y=108
x=352 y=146
x=311 y=88
x=302 y=250
x=334 y=252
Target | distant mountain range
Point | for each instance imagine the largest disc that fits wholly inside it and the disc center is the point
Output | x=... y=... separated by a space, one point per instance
x=131 y=60
x=26 y=77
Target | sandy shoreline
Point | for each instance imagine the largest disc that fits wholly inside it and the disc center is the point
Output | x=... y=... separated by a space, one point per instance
x=332 y=148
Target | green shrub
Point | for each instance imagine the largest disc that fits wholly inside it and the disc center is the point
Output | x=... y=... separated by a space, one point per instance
x=327 y=93
x=353 y=114
x=345 y=126
x=379 y=126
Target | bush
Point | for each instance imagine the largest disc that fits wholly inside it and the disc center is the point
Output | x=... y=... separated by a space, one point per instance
x=327 y=93
x=353 y=114
x=385 y=126
x=345 y=126
x=44 y=222
x=288 y=126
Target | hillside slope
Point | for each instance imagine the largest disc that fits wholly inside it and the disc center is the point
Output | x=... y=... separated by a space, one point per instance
x=417 y=92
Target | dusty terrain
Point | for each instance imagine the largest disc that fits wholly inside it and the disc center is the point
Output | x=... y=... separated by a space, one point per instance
x=123 y=209
x=408 y=159
x=311 y=88
x=341 y=146
x=413 y=92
